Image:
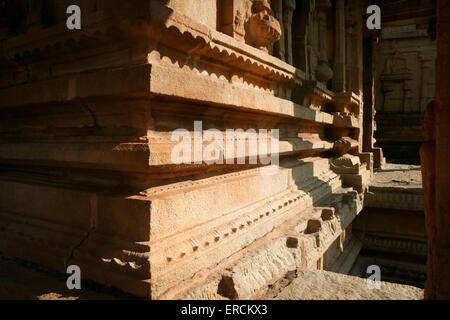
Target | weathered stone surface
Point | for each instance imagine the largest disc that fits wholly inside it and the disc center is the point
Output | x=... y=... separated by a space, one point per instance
x=86 y=125
x=250 y=274
x=252 y=271
x=396 y=187
x=323 y=285
x=404 y=85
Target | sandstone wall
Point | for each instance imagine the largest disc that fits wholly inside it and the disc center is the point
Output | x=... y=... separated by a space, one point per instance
x=86 y=119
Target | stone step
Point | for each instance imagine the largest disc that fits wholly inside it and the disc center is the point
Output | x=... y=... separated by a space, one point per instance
x=299 y=243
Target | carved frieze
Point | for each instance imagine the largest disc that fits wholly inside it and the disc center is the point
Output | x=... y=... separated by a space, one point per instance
x=251 y=21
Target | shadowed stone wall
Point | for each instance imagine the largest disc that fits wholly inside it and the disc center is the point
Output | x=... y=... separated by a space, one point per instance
x=404 y=85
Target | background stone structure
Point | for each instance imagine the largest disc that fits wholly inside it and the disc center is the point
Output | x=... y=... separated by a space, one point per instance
x=405 y=60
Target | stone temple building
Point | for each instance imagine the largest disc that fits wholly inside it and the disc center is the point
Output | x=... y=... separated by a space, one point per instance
x=222 y=149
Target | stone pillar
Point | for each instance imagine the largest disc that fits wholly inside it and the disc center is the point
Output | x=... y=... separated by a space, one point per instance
x=407 y=97
x=369 y=97
x=284 y=10
x=352 y=37
x=323 y=71
x=301 y=44
x=368 y=114
x=288 y=11
x=359 y=48
x=279 y=47
x=339 y=48
x=427 y=69
x=435 y=156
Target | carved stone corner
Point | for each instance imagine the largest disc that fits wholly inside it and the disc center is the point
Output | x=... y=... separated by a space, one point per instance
x=346 y=164
x=346 y=103
x=342 y=146
x=352 y=171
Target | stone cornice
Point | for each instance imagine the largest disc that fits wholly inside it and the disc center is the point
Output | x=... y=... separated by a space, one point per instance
x=106 y=26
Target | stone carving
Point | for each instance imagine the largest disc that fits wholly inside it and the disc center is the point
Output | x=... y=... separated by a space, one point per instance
x=239 y=24
x=250 y=21
x=262 y=29
x=346 y=164
x=342 y=146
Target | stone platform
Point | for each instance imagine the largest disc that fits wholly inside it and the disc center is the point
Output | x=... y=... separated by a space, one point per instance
x=323 y=285
x=396 y=186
